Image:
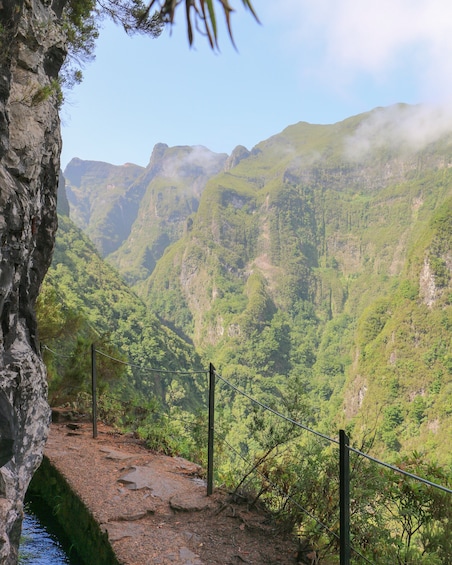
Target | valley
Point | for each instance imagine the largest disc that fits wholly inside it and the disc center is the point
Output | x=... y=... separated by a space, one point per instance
x=313 y=270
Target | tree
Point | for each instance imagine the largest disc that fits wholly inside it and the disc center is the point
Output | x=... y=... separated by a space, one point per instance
x=135 y=16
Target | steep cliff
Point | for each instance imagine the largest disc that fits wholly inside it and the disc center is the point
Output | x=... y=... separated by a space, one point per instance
x=31 y=53
x=132 y=214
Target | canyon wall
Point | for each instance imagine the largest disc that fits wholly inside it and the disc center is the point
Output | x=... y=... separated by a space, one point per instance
x=32 y=50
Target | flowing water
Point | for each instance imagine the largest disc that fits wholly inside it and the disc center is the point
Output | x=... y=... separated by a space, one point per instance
x=41 y=540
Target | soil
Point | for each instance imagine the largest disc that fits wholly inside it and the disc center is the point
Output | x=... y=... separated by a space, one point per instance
x=155 y=508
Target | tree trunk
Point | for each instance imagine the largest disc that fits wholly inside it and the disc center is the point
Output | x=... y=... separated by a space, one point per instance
x=32 y=49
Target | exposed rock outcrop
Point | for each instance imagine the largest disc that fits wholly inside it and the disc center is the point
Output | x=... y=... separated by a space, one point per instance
x=31 y=53
x=239 y=153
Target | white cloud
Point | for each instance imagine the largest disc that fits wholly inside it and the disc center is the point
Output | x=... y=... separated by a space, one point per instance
x=399 y=127
x=378 y=38
x=399 y=49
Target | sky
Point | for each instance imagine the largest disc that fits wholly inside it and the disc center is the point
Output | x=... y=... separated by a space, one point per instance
x=317 y=61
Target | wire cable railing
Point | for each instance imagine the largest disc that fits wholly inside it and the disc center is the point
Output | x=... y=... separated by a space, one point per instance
x=399 y=470
x=344 y=469
x=150 y=370
x=344 y=450
x=47 y=348
x=332 y=440
x=275 y=486
x=275 y=412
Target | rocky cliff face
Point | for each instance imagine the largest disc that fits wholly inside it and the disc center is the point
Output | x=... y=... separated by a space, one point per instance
x=132 y=214
x=31 y=53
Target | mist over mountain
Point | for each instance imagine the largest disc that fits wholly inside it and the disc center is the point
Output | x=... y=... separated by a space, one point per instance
x=132 y=214
x=318 y=263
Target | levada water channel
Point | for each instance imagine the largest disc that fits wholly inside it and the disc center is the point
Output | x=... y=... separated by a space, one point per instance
x=42 y=541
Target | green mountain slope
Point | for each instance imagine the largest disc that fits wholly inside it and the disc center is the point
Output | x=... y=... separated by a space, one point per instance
x=307 y=257
x=102 y=201
x=179 y=175
x=134 y=213
x=314 y=269
x=85 y=301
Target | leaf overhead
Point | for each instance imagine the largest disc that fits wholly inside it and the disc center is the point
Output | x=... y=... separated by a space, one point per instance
x=200 y=16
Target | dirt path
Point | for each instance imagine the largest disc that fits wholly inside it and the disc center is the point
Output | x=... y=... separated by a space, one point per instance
x=155 y=508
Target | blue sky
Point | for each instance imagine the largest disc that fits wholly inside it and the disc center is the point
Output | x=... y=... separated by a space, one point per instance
x=318 y=61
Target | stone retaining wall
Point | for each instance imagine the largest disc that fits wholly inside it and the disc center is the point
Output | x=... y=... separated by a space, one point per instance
x=73 y=516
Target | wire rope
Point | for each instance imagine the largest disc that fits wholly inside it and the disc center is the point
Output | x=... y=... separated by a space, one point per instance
x=275 y=412
x=150 y=369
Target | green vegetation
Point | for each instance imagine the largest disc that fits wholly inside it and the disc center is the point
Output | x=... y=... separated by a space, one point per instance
x=313 y=283
x=394 y=518
x=300 y=266
x=84 y=301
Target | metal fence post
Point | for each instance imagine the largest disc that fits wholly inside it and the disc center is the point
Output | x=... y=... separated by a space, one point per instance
x=211 y=429
x=344 y=498
x=94 y=389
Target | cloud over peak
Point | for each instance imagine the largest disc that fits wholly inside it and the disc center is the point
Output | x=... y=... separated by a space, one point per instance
x=399 y=127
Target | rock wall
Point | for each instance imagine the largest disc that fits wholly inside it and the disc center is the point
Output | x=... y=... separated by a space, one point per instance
x=78 y=522
x=32 y=50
